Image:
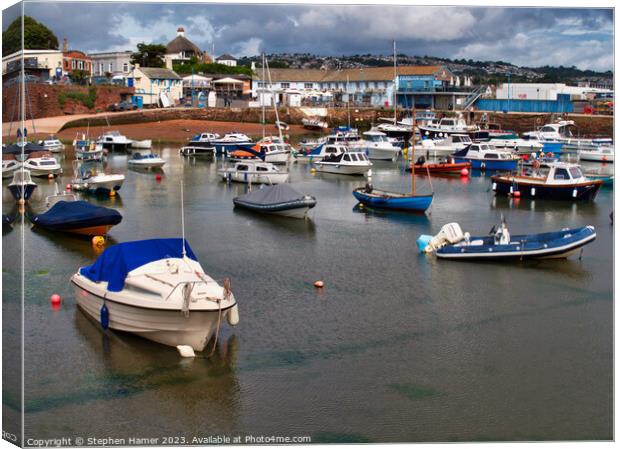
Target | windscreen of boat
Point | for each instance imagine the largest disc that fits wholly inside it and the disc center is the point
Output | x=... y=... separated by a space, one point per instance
x=575 y=172
x=48 y=162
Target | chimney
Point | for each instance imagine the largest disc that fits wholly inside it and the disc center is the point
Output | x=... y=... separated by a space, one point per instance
x=65 y=45
x=181 y=31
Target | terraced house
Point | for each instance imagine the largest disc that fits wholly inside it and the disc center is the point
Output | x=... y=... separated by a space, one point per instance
x=426 y=86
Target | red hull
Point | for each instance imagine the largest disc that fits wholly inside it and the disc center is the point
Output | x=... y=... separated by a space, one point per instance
x=441 y=168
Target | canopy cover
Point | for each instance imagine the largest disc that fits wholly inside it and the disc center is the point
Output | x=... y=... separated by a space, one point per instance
x=113 y=265
x=270 y=195
x=77 y=214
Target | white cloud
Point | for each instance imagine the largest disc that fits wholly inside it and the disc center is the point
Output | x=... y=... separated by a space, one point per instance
x=250 y=47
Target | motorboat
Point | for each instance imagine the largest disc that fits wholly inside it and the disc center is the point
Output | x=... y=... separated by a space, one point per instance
x=377 y=146
x=518 y=145
x=393 y=129
x=558 y=181
x=155 y=289
x=66 y=213
x=452 y=243
x=272 y=151
x=140 y=159
x=282 y=125
x=253 y=172
x=447 y=167
x=141 y=144
x=281 y=199
x=114 y=140
x=483 y=156
x=495 y=131
x=42 y=164
x=87 y=150
x=422 y=118
x=52 y=144
x=314 y=123
x=231 y=142
x=22 y=186
x=318 y=153
x=561 y=131
x=548 y=145
x=447 y=126
x=201 y=145
x=9 y=165
x=602 y=153
x=445 y=145
x=90 y=177
x=347 y=163
x=382 y=199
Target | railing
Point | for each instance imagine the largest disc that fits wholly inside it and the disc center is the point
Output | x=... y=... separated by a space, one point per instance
x=477 y=93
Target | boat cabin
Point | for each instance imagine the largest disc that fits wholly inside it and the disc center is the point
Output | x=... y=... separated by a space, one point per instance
x=255 y=167
x=205 y=137
x=376 y=136
x=485 y=151
x=562 y=173
x=347 y=157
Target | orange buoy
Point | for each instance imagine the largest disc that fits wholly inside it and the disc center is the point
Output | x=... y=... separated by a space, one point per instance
x=98 y=240
x=517 y=194
x=464 y=172
x=55 y=299
x=112 y=192
x=50 y=176
x=319 y=284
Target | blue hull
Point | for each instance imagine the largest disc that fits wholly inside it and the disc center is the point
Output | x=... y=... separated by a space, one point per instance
x=16 y=191
x=383 y=200
x=552 y=147
x=489 y=164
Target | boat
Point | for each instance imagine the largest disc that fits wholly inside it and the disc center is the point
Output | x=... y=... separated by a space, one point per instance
x=561 y=131
x=383 y=199
x=423 y=167
x=272 y=151
x=253 y=172
x=602 y=153
x=314 y=123
x=141 y=144
x=141 y=159
x=52 y=144
x=394 y=129
x=422 y=118
x=558 y=181
x=345 y=163
x=452 y=243
x=495 y=131
x=22 y=186
x=444 y=146
x=155 y=289
x=318 y=153
x=520 y=146
x=279 y=199
x=483 y=156
x=87 y=150
x=7 y=222
x=67 y=214
x=43 y=164
x=9 y=165
x=447 y=126
x=377 y=146
x=114 y=140
x=90 y=177
x=200 y=145
x=231 y=142
x=282 y=125
x=607 y=180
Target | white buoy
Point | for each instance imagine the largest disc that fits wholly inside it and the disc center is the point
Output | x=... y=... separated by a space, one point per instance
x=233 y=316
x=186 y=351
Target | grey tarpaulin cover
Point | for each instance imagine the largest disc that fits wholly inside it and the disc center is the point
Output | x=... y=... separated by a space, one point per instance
x=268 y=195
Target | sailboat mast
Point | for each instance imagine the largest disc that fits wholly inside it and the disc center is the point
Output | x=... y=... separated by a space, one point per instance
x=348 y=104
x=274 y=104
x=394 y=81
x=183 y=222
x=263 y=97
x=412 y=163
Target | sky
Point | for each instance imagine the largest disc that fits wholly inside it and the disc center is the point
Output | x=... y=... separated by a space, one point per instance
x=529 y=37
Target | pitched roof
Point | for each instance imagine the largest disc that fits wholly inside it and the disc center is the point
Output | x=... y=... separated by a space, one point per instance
x=358 y=74
x=226 y=57
x=181 y=43
x=161 y=74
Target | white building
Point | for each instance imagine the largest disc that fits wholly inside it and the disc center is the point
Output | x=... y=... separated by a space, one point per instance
x=156 y=86
x=227 y=59
x=116 y=63
x=41 y=59
x=182 y=50
x=545 y=91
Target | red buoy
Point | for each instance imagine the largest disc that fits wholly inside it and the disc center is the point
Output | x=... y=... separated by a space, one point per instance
x=55 y=299
x=516 y=194
x=158 y=177
x=464 y=172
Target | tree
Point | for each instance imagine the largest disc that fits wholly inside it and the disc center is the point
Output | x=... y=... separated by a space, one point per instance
x=36 y=36
x=149 y=55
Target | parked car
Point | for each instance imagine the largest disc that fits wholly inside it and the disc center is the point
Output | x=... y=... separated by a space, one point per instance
x=122 y=106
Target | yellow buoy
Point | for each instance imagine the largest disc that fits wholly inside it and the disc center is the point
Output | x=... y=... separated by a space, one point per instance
x=98 y=240
x=112 y=193
x=319 y=284
x=313 y=170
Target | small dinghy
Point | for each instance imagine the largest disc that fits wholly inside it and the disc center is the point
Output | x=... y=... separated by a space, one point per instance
x=423 y=167
x=67 y=214
x=452 y=243
x=145 y=160
x=156 y=289
x=279 y=199
x=22 y=185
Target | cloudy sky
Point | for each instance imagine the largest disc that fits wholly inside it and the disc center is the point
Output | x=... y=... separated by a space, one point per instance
x=524 y=36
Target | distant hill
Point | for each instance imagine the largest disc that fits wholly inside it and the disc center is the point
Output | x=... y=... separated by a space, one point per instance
x=482 y=72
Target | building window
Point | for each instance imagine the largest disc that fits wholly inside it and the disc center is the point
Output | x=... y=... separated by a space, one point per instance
x=125 y=67
x=73 y=64
x=101 y=68
x=111 y=68
x=285 y=85
x=308 y=85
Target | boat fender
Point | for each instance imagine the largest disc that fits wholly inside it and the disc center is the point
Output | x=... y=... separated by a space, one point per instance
x=233 y=315
x=423 y=242
x=186 y=351
x=494 y=186
x=574 y=193
x=104 y=315
x=533 y=191
x=482 y=165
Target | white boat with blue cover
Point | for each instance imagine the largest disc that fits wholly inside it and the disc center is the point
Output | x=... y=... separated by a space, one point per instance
x=483 y=156
x=279 y=199
x=156 y=289
x=452 y=243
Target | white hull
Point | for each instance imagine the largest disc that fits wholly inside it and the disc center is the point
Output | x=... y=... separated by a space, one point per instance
x=254 y=178
x=144 y=164
x=384 y=154
x=89 y=155
x=8 y=172
x=520 y=146
x=595 y=156
x=300 y=212
x=341 y=169
x=168 y=327
x=104 y=182
x=277 y=158
x=43 y=171
x=141 y=144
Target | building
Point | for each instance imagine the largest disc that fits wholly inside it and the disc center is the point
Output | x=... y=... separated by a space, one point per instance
x=155 y=86
x=43 y=64
x=547 y=91
x=422 y=86
x=227 y=59
x=181 y=49
x=116 y=64
x=73 y=60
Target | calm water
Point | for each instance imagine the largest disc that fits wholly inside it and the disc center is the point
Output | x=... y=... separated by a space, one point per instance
x=397 y=347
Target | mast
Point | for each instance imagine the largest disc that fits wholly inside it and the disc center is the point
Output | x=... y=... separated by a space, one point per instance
x=262 y=102
x=274 y=104
x=348 y=104
x=413 y=153
x=183 y=223
x=394 y=81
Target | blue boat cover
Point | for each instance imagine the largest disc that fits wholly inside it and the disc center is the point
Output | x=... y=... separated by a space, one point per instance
x=30 y=147
x=117 y=261
x=76 y=214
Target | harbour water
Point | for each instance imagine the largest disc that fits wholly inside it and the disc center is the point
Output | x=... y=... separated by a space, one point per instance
x=398 y=346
